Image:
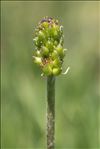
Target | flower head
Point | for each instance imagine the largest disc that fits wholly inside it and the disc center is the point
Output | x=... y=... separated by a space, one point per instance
x=49 y=52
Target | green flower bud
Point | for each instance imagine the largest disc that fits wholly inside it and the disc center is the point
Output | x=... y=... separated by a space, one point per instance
x=47 y=70
x=60 y=51
x=49 y=45
x=49 y=51
x=35 y=40
x=45 y=24
x=55 y=43
x=54 y=55
x=44 y=51
x=56 y=71
x=37 y=60
x=41 y=35
x=38 y=54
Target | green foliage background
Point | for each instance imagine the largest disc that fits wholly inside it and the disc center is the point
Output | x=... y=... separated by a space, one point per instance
x=24 y=90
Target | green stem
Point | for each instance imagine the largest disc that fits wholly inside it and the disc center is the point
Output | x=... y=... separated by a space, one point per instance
x=50 y=112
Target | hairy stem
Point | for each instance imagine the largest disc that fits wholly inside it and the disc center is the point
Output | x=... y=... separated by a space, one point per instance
x=50 y=112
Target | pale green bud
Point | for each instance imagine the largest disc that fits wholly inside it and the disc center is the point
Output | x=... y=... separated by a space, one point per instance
x=37 y=60
x=54 y=55
x=44 y=51
x=56 y=63
x=41 y=35
x=49 y=45
x=60 y=51
x=56 y=71
x=38 y=54
x=45 y=24
x=47 y=70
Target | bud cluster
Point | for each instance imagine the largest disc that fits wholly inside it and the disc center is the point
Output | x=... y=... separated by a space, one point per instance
x=49 y=51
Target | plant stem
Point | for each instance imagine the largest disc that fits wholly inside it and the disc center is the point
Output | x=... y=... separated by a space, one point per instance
x=50 y=112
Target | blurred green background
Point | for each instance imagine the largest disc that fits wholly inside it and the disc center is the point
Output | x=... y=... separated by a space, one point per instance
x=24 y=90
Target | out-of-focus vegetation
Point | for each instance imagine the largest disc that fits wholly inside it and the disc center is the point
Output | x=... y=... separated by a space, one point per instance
x=23 y=89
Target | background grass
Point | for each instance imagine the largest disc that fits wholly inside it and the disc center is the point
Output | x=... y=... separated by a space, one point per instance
x=24 y=91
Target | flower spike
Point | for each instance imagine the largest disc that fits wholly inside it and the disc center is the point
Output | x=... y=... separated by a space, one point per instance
x=49 y=52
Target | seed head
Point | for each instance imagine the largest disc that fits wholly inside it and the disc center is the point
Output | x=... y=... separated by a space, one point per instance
x=49 y=52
